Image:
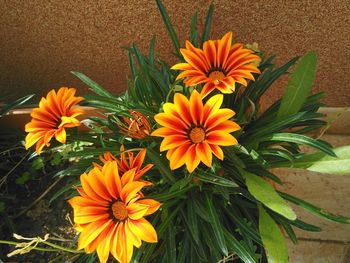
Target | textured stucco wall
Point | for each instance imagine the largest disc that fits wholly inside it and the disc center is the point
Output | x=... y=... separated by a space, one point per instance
x=42 y=41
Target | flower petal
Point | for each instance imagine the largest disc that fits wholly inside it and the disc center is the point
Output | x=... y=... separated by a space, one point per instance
x=144 y=230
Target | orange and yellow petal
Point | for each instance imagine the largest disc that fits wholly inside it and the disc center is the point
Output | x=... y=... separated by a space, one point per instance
x=207 y=127
x=54 y=114
x=219 y=65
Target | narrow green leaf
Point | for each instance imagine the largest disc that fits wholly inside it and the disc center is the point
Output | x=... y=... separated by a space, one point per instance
x=148 y=249
x=6 y=108
x=322 y=163
x=151 y=52
x=301 y=139
x=132 y=64
x=214 y=179
x=216 y=224
x=171 y=195
x=280 y=124
x=244 y=227
x=193 y=30
x=289 y=230
x=169 y=27
x=273 y=240
x=93 y=85
x=192 y=221
x=267 y=195
x=160 y=164
x=315 y=210
x=299 y=85
x=239 y=249
x=63 y=189
x=170 y=247
x=305 y=226
x=207 y=25
x=262 y=172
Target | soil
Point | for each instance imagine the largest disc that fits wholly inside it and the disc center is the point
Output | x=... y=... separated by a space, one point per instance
x=19 y=191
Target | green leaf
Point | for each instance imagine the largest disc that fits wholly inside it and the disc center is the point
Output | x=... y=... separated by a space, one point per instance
x=25 y=177
x=38 y=164
x=5 y=109
x=171 y=195
x=151 y=52
x=289 y=230
x=305 y=226
x=322 y=163
x=245 y=228
x=161 y=164
x=93 y=85
x=216 y=224
x=192 y=221
x=239 y=249
x=169 y=27
x=267 y=195
x=315 y=210
x=193 y=30
x=2 y=207
x=214 y=179
x=273 y=240
x=301 y=139
x=299 y=85
x=64 y=189
x=207 y=25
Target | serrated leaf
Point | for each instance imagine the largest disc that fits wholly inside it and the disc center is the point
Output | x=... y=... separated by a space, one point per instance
x=323 y=163
x=299 y=85
x=267 y=195
x=272 y=238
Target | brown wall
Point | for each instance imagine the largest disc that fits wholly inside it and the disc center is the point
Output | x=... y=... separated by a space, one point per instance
x=42 y=41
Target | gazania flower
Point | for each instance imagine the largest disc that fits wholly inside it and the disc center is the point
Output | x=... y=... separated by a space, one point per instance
x=55 y=113
x=193 y=132
x=219 y=65
x=127 y=163
x=136 y=127
x=110 y=213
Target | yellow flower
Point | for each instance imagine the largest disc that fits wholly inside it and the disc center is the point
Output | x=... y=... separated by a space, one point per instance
x=55 y=113
x=127 y=163
x=110 y=212
x=219 y=65
x=193 y=132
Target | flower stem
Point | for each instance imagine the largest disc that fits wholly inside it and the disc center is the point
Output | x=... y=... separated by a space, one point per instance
x=61 y=248
x=55 y=248
x=32 y=247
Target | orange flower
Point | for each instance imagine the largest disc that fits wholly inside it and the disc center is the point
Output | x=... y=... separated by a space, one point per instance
x=193 y=131
x=126 y=164
x=109 y=213
x=136 y=127
x=55 y=113
x=219 y=65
